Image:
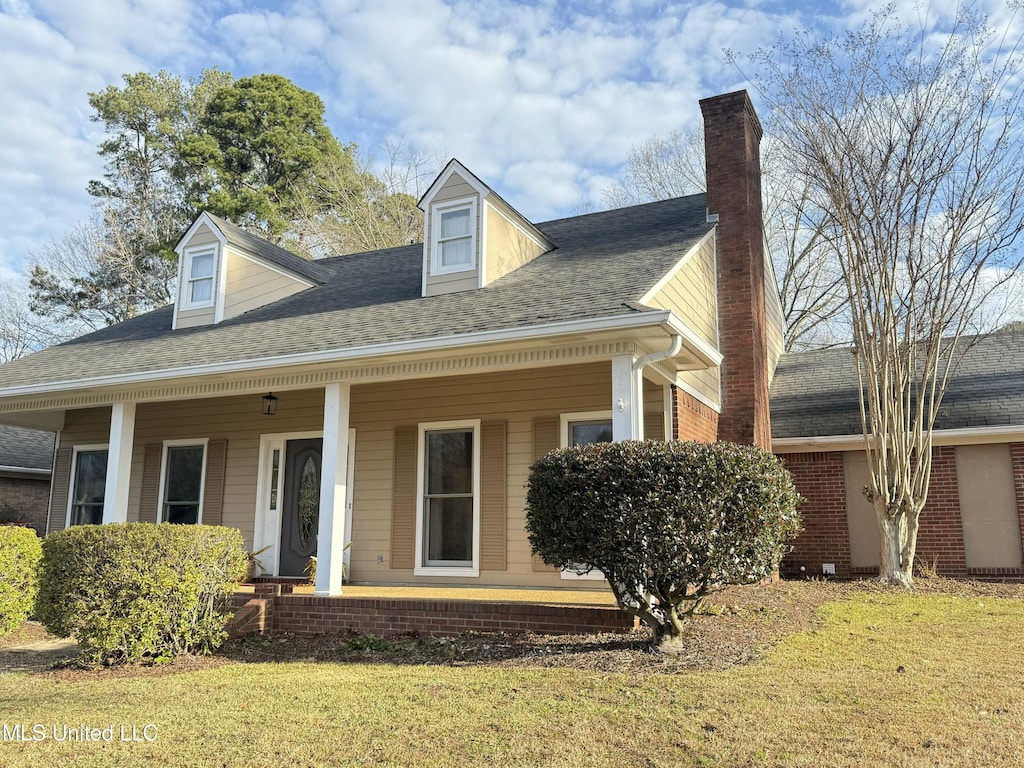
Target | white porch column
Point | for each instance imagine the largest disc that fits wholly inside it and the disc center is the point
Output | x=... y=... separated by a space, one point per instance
x=333 y=490
x=627 y=400
x=119 y=463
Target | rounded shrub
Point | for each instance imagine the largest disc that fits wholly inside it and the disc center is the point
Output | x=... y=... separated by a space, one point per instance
x=137 y=591
x=667 y=523
x=20 y=552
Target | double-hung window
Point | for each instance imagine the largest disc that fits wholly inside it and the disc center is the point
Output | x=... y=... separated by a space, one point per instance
x=182 y=488
x=200 y=264
x=584 y=429
x=89 y=481
x=454 y=228
x=448 y=525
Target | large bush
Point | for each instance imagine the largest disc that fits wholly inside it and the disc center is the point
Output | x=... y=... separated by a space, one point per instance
x=136 y=590
x=667 y=523
x=20 y=552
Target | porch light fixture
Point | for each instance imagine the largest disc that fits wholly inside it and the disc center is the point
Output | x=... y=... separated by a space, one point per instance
x=269 y=404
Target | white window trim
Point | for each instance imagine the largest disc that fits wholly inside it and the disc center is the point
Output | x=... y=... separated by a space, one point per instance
x=75 y=450
x=564 y=420
x=207 y=249
x=435 y=237
x=203 y=441
x=420 y=569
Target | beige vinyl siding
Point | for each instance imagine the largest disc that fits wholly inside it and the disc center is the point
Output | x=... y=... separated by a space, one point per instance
x=203 y=236
x=654 y=411
x=508 y=247
x=88 y=426
x=452 y=282
x=515 y=398
x=251 y=285
x=988 y=506
x=192 y=318
x=704 y=381
x=690 y=294
x=865 y=543
x=455 y=188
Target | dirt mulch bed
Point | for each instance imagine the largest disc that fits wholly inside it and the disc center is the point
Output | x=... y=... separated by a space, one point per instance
x=735 y=627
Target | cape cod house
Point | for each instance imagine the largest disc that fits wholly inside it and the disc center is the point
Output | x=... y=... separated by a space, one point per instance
x=381 y=410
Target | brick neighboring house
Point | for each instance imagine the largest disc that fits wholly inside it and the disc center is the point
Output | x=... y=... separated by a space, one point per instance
x=26 y=458
x=973 y=522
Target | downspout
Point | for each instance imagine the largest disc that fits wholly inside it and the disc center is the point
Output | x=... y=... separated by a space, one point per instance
x=638 y=367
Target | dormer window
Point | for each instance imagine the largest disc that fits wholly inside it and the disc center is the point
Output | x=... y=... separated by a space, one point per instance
x=199 y=269
x=454 y=229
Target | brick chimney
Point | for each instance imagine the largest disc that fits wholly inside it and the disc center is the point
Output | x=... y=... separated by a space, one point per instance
x=732 y=137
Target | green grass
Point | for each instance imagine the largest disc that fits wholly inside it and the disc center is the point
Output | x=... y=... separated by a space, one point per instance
x=830 y=697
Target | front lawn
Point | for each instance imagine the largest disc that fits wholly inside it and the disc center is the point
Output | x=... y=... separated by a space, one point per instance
x=882 y=678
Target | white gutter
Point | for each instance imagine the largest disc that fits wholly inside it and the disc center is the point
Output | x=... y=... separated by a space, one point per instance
x=657 y=357
x=568 y=327
x=23 y=470
x=963 y=436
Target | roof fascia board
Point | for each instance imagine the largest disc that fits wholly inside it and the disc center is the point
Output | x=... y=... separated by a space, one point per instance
x=31 y=471
x=667 y=277
x=653 y=318
x=962 y=436
x=454 y=166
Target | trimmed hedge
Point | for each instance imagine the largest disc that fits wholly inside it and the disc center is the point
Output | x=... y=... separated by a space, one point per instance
x=137 y=591
x=20 y=553
x=666 y=522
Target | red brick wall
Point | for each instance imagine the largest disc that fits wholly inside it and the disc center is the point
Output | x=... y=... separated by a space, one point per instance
x=825 y=538
x=272 y=611
x=691 y=419
x=940 y=539
x=732 y=136
x=25 y=498
x=1017 y=457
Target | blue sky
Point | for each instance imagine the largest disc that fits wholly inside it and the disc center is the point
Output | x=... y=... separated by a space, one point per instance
x=543 y=100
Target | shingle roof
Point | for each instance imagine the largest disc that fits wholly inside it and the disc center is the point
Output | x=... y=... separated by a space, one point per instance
x=267 y=251
x=603 y=262
x=25 y=448
x=814 y=394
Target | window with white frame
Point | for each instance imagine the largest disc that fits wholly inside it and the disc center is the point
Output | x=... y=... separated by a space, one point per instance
x=454 y=237
x=200 y=265
x=88 y=486
x=448 y=515
x=584 y=429
x=181 y=498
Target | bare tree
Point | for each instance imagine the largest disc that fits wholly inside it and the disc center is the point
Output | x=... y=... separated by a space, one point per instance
x=807 y=275
x=909 y=146
x=21 y=330
x=363 y=205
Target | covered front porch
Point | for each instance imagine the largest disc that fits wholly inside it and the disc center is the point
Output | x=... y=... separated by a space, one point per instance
x=401 y=472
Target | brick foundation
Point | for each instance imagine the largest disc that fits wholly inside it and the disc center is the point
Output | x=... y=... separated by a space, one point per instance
x=691 y=419
x=273 y=609
x=26 y=499
x=825 y=538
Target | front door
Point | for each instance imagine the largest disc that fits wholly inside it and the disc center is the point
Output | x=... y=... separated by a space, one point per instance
x=300 y=513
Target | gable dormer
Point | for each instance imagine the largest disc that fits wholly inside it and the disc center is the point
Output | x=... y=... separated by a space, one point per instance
x=224 y=271
x=471 y=236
